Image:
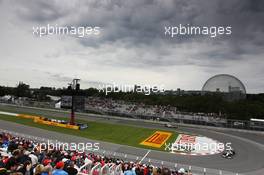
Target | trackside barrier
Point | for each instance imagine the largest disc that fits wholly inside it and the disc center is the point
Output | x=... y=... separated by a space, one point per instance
x=96 y=169
x=85 y=169
x=112 y=169
x=105 y=170
x=41 y=120
x=118 y=170
x=51 y=123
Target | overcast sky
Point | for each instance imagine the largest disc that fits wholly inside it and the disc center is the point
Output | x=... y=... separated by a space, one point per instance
x=132 y=47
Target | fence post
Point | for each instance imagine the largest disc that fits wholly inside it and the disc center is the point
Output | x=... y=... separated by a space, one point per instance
x=104 y=170
x=94 y=168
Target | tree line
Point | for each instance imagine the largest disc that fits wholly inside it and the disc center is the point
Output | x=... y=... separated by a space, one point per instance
x=251 y=107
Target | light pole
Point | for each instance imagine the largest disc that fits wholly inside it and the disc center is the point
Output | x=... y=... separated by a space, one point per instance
x=74 y=87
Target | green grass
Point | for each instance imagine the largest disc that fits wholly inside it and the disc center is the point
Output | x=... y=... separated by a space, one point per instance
x=114 y=133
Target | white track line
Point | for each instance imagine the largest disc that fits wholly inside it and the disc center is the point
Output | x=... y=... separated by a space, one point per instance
x=8 y=113
x=144 y=156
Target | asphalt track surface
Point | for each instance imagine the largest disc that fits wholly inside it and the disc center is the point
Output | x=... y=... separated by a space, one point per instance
x=249 y=158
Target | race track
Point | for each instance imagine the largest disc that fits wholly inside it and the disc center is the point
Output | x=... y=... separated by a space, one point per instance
x=249 y=147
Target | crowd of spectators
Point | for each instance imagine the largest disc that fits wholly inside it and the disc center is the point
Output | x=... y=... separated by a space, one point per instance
x=119 y=106
x=21 y=156
x=140 y=109
x=107 y=105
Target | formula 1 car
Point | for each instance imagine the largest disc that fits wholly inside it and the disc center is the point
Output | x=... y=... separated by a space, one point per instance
x=228 y=154
x=169 y=125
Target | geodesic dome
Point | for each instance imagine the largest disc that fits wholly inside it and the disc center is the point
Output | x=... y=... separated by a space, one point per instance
x=224 y=83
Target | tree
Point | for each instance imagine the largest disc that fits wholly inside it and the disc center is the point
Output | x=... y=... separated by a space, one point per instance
x=22 y=90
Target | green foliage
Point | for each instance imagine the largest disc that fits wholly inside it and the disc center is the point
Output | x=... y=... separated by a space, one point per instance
x=22 y=90
x=251 y=107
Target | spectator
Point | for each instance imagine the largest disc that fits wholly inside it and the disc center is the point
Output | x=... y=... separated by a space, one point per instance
x=26 y=169
x=71 y=170
x=59 y=169
x=39 y=169
x=47 y=170
x=166 y=171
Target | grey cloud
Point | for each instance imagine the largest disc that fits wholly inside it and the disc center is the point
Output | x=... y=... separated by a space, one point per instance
x=133 y=31
x=143 y=21
x=42 y=11
x=60 y=77
x=68 y=79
